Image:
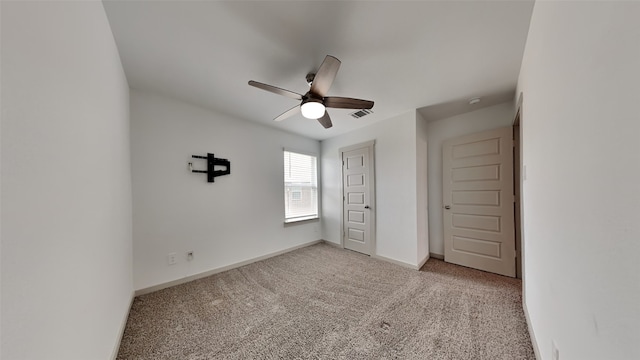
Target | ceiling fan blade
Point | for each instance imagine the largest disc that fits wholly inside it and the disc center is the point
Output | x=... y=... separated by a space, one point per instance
x=325 y=75
x=325 y=120
x=294 y=110
x=346 y=103
x=276 y=90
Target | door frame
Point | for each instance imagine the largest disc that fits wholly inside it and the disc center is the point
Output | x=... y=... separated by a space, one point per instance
x=519 y=176
x=370 y=145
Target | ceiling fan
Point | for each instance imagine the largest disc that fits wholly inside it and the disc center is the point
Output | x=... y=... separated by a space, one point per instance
x=313 y=103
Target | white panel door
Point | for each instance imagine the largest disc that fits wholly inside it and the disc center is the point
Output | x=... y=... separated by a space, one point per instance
x=478 y=201
x=357 y=178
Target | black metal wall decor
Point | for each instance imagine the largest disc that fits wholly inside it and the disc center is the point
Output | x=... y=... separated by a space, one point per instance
x=212 y=162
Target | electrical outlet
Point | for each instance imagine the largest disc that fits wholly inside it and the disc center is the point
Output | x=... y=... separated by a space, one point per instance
x=555 y=353
x=171 y=259
x=189 y=255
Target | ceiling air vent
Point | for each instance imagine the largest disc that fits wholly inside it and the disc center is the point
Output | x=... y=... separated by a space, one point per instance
x=360 y=113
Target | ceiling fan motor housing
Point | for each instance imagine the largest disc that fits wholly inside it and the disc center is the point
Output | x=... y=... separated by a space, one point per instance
x=310 y=77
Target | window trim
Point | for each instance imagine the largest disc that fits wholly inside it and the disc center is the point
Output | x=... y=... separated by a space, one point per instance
x=303 y=219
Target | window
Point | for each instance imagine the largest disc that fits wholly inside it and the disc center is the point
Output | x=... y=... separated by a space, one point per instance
x=300 y=186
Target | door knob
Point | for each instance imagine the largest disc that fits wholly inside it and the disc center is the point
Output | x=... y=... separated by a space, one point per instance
x=366 y=206
x=447 y=207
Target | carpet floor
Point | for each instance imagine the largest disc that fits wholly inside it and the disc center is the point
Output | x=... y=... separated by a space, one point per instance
x=321 y=302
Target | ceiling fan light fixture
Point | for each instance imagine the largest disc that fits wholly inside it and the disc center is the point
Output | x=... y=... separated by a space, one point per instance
x=312 y=109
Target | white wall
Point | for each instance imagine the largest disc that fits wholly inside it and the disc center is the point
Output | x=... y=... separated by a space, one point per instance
x=1 y=116
x=66 y=183
x=422 y=203
x=581 y=197
x=238 y=217
x=437 y=132
x=395 y=167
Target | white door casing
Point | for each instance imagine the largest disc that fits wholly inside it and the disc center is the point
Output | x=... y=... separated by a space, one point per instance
x=358 y=209
x=478 y=201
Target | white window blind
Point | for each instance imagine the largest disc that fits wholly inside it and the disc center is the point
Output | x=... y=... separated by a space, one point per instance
x=300 y=186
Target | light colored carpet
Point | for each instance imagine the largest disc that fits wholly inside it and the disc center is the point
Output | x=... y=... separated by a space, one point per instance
x=321 y=302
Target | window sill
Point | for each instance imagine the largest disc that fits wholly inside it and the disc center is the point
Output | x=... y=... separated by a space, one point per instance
x=300 y=221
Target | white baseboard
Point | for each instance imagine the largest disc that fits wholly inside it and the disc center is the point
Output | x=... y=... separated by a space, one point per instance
x=397 y=262
x=532 y=335
x=331 y=243
x=123 y=325
x=201 y=275
x=384 y=258
x=421 y=263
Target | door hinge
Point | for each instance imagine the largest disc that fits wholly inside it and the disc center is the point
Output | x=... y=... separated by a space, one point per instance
x=344 y=198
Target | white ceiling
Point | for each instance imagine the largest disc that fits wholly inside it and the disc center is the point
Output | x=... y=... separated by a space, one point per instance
x=426 y=55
